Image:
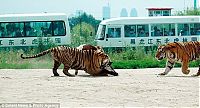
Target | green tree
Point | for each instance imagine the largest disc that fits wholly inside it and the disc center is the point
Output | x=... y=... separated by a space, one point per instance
x=86 y=36
x=189 y=11
x=73 y=21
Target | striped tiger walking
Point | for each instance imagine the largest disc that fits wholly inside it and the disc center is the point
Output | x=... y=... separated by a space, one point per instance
x=182 y=52
x=92 y=62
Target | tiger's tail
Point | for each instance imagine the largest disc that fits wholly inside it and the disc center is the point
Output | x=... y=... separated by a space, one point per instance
x=38 y=55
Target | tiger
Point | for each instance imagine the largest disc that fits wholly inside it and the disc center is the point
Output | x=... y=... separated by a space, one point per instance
x=89 y=47
x=92 y=62
x=181 y=52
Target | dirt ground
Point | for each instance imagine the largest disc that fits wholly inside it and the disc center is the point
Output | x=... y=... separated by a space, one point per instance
x=132 y=88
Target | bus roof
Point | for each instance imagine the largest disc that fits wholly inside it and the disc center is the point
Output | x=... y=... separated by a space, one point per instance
x=150 y=20
x=32 y=17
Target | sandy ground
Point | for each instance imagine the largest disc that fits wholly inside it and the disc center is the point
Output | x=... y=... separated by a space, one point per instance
x=132 y=88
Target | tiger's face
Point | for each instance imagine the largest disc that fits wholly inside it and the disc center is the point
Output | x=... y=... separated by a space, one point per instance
x=106 y=62
x=106 y=65
x=161 y=53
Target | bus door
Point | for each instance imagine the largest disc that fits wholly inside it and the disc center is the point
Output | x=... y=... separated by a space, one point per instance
x=113 y=36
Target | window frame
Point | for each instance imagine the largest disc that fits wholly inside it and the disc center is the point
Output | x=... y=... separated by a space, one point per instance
x=24 y=29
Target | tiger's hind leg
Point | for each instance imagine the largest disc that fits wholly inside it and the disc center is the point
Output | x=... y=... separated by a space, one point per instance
x=169 y=66
x=65 y=71
x=185 y=69
x=56 y=65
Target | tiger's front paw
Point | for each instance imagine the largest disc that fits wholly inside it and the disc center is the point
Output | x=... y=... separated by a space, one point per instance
x=186 y=71
x=162 y=73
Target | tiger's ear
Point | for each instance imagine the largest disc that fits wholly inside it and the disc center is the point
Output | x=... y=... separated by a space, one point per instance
x=98 y=47
x=98 y=51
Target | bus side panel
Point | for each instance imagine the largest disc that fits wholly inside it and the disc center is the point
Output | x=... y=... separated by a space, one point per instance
x=34 y=41
x=152 y=41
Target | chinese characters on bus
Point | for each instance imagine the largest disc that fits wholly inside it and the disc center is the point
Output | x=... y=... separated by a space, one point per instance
x=24 y=42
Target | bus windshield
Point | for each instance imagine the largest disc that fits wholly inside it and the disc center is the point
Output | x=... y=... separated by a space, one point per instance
x=101 y=32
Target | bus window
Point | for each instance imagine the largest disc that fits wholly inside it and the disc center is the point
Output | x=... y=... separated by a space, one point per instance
x=156 y=30
x=183 y=30
x=192 y=29
x=19 y=31
x=150 y=13
x=11 y=29
x=38 y=29
x=195 y=29
x=166 y=13
x=29 y=30
x=58 y=28
x=101 y=32
x=158 y=13
x=130 y=30
x=114 y=33
x=168 y=30
x=163 y=30
x=2 y=30
x=142 y=30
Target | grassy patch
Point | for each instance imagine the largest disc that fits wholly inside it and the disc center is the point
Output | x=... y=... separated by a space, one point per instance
x=12 y=60
x=127 y=59
x=135 y=64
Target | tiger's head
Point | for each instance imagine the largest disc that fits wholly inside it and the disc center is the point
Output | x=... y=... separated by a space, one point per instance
x=161 y=52
x=106 y=64
x=164 y=51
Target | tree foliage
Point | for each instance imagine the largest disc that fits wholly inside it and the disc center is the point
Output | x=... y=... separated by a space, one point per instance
x=83 y=29
x=83 y=33
x=188 y=12
x=73 y=21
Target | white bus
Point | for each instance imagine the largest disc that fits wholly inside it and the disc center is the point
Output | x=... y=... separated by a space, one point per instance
x=147 y=31
x=30 y=29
